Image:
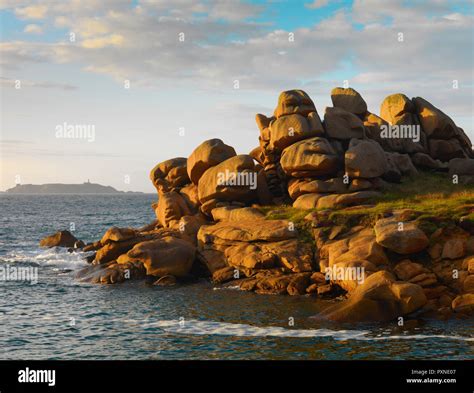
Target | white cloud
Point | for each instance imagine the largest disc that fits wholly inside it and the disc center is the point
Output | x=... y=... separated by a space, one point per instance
x=31 y=12
x=317 y=4
x=33 y=29
x=142 y=45
x=102 y=42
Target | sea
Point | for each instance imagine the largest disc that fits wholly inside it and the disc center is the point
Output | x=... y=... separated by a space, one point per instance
x=57 y=317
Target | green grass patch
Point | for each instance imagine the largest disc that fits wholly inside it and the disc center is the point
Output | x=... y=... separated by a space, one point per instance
x=433 y=198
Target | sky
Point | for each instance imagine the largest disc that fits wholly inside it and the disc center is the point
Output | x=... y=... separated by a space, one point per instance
x=152 y=79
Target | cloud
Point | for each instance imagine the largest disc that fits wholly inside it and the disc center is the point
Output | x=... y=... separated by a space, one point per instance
x=142 y=44
x=31 y=12
x=102 y=42
x=233 y=11
x=34 y=29
x=317 y=4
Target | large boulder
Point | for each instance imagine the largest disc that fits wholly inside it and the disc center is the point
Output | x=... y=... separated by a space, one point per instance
x=116 y=234
x=247 y=231
x=309 y=158
x=400 y=163
x=373 y=130
x=463 y=168
x=341 y=124
x=406 y=270
x=399 y=236
x=234 y=179
x=343 y=200
x=298 y=186
x=307 y=201
x=162 y=257
x=446 y=150
x=59 y=239
x=365 y=158
x=289 y=129
x=190 y=196
x=188 y=227
x=257 y=154
x=113 y=250
x=207 y=154
x=349 y=100
x=250 y=256
x=425 y=161
x=397 y=109
x=171 y=206
x=357 y=245
x=170 y=175
x=436 y=124
x=112 y=273
x=406 y=134
x=379 y=298
x=294 y=101
x=247 y=246
x=464 y=303
x=232 y=213
x=465 y=142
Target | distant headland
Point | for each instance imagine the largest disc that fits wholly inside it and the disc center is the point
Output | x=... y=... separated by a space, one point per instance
x=58 y=188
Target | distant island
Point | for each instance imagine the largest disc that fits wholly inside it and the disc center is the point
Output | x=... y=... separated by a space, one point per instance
x=58 y=188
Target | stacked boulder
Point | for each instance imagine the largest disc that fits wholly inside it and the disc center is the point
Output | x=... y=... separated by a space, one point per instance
x=348 y=158
x=321 y=164
x=294 y=119
x=213 y=176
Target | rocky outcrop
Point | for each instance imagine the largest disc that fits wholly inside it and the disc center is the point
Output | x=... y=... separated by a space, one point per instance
x=216 y=214
x=249 y=247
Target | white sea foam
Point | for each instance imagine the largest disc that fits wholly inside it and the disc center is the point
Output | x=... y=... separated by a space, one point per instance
x=59 y=257
x=192 y=327
x=230 y=287
x=195 y=327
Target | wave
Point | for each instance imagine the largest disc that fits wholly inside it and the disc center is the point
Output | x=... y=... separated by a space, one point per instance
x=54 y=257
x=196 y=327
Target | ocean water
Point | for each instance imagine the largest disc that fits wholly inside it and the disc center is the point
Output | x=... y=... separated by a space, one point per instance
x=61 y=318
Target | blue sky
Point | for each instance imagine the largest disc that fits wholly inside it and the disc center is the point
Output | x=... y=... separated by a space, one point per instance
x=190 y=85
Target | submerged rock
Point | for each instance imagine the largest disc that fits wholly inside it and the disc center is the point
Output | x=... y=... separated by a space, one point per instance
x=59 y=239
